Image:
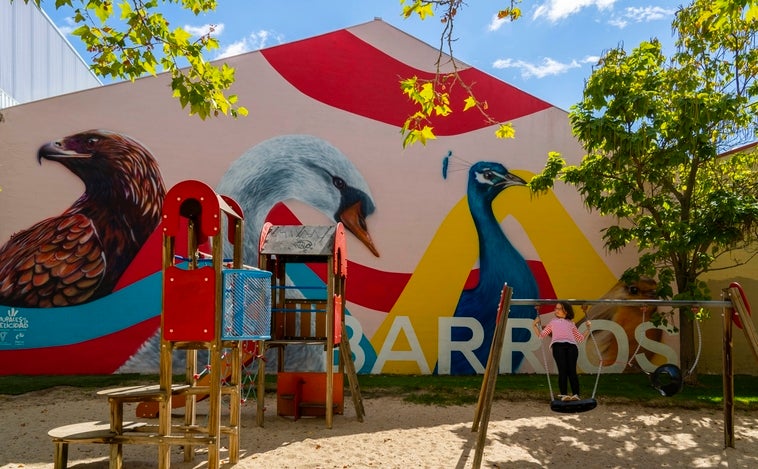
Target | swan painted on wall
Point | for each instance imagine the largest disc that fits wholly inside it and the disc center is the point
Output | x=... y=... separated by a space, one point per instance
x=299 y=167
x=308 y=169
x=287 y=167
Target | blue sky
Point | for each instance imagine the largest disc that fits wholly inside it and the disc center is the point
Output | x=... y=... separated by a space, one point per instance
x=549 y=52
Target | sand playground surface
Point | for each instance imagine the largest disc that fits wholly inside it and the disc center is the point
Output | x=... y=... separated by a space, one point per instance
x=396 y=434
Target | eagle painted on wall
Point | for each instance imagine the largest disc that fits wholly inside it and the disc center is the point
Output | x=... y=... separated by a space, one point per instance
x=79 y=255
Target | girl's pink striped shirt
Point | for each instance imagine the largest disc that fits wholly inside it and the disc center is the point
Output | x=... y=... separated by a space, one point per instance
x=562 y=330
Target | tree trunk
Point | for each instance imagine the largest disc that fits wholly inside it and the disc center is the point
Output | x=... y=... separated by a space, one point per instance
x=687 y=346
x=686 y=325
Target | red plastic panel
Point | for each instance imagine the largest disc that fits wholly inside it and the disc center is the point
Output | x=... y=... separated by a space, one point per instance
x=340 y=251
x=231 y=218
x=337 y=319
x=264 y=233
x=304 y=393
x=189 y=305
x=203 y=194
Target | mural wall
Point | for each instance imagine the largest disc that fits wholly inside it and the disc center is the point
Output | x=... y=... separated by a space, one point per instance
x=435 y=230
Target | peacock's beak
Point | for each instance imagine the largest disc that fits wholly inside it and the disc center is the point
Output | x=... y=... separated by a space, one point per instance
x=513 y=180
x=353 y=219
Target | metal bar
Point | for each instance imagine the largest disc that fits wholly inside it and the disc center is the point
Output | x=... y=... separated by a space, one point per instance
x=728 y=379
x=674 y=303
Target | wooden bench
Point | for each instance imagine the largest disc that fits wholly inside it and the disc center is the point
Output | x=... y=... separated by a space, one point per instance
x=85 y=432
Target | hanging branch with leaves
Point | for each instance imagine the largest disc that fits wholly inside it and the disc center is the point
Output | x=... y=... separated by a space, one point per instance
x=134 y=39
x=432 y=96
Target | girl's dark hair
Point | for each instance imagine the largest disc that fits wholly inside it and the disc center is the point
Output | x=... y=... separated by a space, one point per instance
x=569 y=310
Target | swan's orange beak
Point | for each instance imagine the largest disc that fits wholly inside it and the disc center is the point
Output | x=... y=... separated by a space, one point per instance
x=353 y=219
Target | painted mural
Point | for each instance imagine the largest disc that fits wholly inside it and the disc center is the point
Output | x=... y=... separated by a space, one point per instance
x=435 y=231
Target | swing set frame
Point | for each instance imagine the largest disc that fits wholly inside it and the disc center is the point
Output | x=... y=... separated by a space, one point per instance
x=736 y=310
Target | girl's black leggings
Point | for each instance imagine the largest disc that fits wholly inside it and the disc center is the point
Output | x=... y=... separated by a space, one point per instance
x=566 y=355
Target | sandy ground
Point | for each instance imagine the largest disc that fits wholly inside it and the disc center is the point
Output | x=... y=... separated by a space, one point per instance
x=395 y=434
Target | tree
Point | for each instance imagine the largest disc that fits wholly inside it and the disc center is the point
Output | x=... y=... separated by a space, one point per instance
x=136 y=40
x=655 y=132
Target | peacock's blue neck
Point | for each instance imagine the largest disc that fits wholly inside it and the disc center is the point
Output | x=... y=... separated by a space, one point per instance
x=499 y=261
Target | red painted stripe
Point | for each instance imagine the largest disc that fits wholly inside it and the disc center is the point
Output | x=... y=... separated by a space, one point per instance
x=341 y=70
x=103 y=355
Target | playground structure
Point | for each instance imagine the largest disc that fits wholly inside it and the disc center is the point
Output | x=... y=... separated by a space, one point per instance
x=296 y=320
x=205 y=307
x=318 y=319
x=736 y=310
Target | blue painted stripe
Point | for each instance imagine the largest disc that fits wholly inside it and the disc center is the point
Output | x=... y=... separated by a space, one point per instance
x=23 y=328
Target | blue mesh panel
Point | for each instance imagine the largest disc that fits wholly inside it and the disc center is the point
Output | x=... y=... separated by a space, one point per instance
x=247 y=305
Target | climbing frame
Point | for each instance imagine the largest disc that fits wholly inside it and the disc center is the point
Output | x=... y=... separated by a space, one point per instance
x=206 y=306
x=308 y=314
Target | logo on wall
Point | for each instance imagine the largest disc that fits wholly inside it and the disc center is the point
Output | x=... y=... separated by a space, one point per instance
x=12 y=326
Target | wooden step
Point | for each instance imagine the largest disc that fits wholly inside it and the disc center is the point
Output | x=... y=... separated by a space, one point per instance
x=89 y=432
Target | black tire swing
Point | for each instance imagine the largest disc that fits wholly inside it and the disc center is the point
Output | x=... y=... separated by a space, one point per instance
x=573 y=407
x=668 y=379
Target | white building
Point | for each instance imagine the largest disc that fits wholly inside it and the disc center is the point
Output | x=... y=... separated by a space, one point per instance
x=36 y=59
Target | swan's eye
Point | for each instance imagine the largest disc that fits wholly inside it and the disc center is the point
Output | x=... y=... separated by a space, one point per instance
x=338 y=182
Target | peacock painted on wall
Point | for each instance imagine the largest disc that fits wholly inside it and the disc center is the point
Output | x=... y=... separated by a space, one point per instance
x=499 y=263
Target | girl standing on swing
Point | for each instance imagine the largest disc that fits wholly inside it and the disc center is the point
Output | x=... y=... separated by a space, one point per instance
x=565 y=337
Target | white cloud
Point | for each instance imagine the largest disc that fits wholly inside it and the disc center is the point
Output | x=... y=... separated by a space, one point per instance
x=646 y=14
x=235 y=48
x=556 y=10
x=69 y=27
x=641 y=15
x=548 y=67
x=214 y=29
x=591 y=59
x=496 y=23
x=256 y=40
